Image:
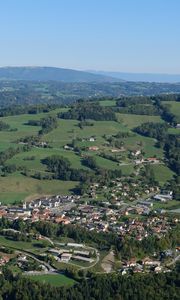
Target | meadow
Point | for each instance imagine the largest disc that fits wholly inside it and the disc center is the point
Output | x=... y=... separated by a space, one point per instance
x=16 y=187
x=131 y=121
x=174 y=107
x=56 y=280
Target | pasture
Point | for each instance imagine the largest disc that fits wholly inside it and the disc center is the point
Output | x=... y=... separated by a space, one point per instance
x=131 y=121
x=56 y=280
x=174 y=107
x=16 y=187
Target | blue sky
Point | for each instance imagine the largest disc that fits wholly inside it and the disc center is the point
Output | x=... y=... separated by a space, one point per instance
x=111 y=35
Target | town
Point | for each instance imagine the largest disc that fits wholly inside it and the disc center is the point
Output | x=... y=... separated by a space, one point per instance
x=137 y=219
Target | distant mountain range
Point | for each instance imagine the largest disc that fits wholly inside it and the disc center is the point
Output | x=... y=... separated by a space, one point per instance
x=75 y=76
x=143 y=77
x=54 y=74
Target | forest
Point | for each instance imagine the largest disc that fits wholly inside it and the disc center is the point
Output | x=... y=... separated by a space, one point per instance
x=162 y=286
x=84 y=110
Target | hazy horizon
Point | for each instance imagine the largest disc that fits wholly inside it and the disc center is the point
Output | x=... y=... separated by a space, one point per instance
x=117 y=36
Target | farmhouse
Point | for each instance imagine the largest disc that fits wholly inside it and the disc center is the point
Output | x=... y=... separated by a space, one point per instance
x=93 y=148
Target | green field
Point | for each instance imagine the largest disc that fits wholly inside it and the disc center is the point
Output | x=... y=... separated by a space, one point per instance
x=173 y=204
x=32 y=246
x=162 y=173
x=132 y=121
x=107 y=103
x=174 y=107
x=174 y=130
x=55 y=280
x=16 y=187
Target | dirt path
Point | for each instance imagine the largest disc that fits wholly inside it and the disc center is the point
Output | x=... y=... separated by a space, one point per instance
x=108 y=262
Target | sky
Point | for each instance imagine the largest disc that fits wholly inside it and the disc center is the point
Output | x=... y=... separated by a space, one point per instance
x=111 y=35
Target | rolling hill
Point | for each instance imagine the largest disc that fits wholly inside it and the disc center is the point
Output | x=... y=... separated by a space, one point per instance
x=51 y=73
x=142 y=77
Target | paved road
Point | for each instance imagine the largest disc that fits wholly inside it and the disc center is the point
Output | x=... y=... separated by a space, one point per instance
x=47 y=265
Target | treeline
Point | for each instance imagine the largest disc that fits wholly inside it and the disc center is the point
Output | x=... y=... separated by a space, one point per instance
x=4 y=126
x=61 y=168
x=155 y=130
x=167 y=97
x=49 y=123
x=84 y=110
x=169 y=142
x=10 y=152
x=140 y=109
x=149 y=105
x=163 y=286
x=172 y=151
x=166 y=113
x=137 y=105
x=27 y=109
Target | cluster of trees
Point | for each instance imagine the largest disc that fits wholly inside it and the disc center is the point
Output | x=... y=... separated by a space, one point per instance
x=30 y=140
x=114 y=142
x=10 y=152
x=84 y=123
x=27 y=109
x=149 y=105
x=16 y=236
x=174 y=185
x=90 y=162
x=122 y=135
x=133 y=100
x=139 y=109
x=165 y=111
x=172 y=151
x=109 y=156
x=84 y=110
x=61 y=168
x=162 y=286
x=49 y=123
x=169 y=142
x=4 y=126
x=154 y=130
x=137 y=105
x=166 y=97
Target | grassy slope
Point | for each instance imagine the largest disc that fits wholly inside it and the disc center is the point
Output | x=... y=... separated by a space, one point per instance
x=162 y=173
x=174 y=107
x=132 y=121
x=55 y=280
x=16 y=187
